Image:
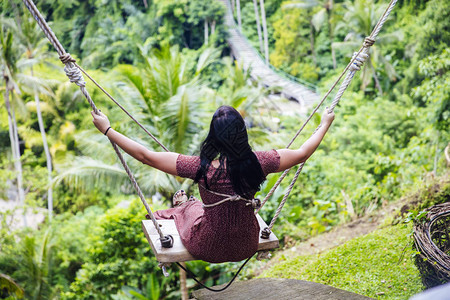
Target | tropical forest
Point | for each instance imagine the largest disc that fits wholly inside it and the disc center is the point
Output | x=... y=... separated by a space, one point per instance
x=71 y=218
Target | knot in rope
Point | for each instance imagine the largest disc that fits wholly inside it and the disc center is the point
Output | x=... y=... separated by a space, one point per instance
x=74 y=74
x=67 y=58
x=358 y=61
x=254 y=203
x=164 y=267
x=368 y=42
x=263 y=255
x=235 y=198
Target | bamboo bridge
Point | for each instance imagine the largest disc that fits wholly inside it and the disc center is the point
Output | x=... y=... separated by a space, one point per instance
x=290 y=87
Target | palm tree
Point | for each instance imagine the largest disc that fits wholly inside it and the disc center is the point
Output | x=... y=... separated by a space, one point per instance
x=8 y=59
x=208 y=13
x=11 y=286
x=361 y=17
x=34 y=266
x=258 y=26
x=238 y=12
x=264 y=25
x=30 y=37
x=318 y=19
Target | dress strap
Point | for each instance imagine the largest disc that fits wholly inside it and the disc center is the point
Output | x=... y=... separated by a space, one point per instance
x=255 y=203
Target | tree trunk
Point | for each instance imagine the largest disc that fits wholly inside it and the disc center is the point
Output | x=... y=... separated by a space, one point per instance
x=238 y=10
x=183 y=286
x=13 y=136
x=15 y=148
x=48 y=157
x=436 y=154
x=206 y=32
x=311 y=43
x=213 y=27
x=377 y=82
x=17 y=161
x=145 y=3
x=11 y=130
x=47 y=153
x=330 y=32
x=264 y=25
x=258 y=26
x=233 y=8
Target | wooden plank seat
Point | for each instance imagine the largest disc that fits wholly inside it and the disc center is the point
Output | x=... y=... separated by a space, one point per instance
x=178 y=252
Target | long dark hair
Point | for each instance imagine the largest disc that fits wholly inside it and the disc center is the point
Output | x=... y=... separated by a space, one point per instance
x=227 y=138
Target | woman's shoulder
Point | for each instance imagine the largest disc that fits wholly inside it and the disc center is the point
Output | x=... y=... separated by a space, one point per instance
x=269 y=160
x=187 y=165
x=270 y=154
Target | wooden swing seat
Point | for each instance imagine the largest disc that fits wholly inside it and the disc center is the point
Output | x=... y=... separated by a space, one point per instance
x=178 y=252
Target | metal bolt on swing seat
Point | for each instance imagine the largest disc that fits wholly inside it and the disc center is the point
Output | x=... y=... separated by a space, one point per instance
x=265 y=233
x=167 y=241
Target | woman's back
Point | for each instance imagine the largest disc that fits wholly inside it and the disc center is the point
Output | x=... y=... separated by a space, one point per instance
x=226 y=232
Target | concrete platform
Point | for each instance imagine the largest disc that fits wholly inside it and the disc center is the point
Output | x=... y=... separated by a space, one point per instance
x=278 y=289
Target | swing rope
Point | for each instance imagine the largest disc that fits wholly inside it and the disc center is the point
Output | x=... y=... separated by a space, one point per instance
x=73 y=72
x=193 y=276
x=353 y=66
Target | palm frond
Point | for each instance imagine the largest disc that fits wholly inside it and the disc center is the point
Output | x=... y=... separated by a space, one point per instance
x=183 y=116
x=209 y=56
x=11 y=286
x=319 y=19
x=152 y=181
x=30 y=84
x=87 y=174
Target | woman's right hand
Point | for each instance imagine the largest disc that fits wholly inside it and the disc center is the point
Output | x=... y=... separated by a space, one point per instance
x=327 y=117
x=100 y=121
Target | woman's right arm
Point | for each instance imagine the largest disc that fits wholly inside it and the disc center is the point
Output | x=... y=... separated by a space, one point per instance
x=164 y=161
x=290 y=158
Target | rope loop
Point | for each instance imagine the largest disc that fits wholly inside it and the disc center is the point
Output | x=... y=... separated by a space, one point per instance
x=164 y=267
x=74 y=74
x=263 y=255
x=167 y=241
x=67 y=58
x=265 y=233
x=254 y=203
x=368 y=42
x=358 y=61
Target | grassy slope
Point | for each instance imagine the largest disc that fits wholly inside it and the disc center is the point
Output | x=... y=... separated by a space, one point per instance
x=368 y=265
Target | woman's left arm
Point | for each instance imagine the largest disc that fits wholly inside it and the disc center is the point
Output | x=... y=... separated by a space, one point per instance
x=164 y=161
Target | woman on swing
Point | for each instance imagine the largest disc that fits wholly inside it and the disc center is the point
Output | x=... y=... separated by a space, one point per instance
x=227 y=165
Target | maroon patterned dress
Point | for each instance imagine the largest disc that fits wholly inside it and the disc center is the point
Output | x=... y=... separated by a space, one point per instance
x=226 y=232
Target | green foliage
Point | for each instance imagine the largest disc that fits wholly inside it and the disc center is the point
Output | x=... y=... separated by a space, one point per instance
x=434 y=89
x=371 y=265
x=117 y=254
x=153 y=290
x=436 y=192
x=31 y=264
x=9 y=288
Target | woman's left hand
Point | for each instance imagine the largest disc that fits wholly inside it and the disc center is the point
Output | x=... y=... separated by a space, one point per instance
x=100 y=121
